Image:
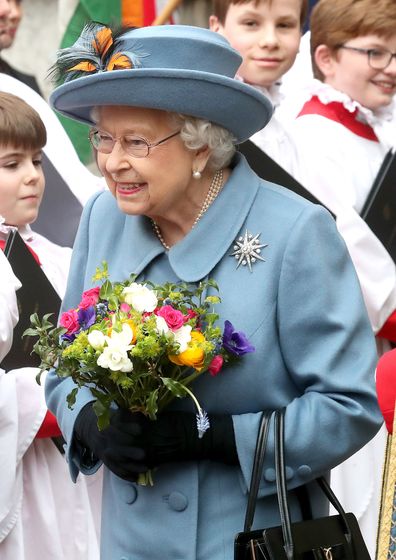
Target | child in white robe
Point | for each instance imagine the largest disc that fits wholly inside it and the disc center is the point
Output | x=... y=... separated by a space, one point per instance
x=342 y=134
x=43 y=515
x=267 y=35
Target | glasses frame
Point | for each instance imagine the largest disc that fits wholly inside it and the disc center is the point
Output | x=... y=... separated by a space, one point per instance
x=369 y=54
x=126 y=150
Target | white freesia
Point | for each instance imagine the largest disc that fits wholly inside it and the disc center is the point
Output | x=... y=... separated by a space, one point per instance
x=115 y=359
x=96 y=339
x=115 y=354
x=162 y=327
x=183 y=337
x=122 y=338
x=140 y=297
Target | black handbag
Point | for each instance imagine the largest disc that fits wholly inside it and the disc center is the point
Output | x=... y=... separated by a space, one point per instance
x=336 y=537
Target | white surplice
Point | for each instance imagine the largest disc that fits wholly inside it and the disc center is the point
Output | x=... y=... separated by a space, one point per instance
x=43 y=514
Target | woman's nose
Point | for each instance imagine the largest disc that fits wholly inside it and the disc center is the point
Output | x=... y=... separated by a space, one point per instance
x=117 y=158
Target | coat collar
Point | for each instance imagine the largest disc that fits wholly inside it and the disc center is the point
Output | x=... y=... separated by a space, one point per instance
x=197 y=254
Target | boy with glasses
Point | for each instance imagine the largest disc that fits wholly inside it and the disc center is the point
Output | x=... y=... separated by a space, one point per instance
x=342 y=134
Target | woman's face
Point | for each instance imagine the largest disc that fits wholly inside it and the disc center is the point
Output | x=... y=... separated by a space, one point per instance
x=157 y=185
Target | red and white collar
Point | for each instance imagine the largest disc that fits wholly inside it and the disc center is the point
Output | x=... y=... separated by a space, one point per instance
x=380 y=121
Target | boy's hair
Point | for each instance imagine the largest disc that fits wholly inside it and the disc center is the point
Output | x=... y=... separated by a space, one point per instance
x=220 y=8
x=20 y=125
x=334 y=22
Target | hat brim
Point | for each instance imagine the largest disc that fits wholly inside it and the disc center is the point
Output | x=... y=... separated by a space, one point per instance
x=228 y=102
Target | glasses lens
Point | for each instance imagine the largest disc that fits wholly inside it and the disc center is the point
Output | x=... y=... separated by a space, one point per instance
x=101 y=141
x=379 y=58
x=135 y=146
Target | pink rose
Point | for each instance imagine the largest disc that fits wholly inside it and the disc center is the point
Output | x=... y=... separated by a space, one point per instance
x=173 y=318
x=215 y=365
x=89 y=298
x=125 y=308
x=69 y=321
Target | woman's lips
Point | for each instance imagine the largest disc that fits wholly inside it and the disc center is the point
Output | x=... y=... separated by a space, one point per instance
x=128 y=189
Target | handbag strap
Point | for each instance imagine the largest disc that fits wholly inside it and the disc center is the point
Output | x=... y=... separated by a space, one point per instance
x=281 y=488
x=258 y=463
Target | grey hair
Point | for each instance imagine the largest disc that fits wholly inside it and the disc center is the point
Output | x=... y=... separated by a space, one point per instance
x=197 y=133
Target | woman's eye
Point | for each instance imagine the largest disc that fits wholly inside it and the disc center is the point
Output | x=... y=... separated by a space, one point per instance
x=11 y=165
x=38 y=162
x=135 y=142
x=104 y=138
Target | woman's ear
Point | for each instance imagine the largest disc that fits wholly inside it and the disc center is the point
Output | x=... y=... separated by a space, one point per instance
x=325 y=58
x=201 y=158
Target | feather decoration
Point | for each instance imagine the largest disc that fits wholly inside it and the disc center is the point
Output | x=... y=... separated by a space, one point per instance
x=94 y=51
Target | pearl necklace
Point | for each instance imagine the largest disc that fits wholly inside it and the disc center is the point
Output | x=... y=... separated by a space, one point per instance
x=215 y=187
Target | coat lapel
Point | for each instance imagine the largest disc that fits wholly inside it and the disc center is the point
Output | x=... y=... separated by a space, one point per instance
x=198 y=253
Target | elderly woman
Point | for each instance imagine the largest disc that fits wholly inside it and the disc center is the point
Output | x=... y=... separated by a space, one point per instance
x=183 y=206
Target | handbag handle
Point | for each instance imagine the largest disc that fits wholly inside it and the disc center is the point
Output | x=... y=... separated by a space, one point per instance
x=281 y=489
x=257 y=469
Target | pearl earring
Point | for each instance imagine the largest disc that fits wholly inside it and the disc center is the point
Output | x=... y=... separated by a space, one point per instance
x=196 y=174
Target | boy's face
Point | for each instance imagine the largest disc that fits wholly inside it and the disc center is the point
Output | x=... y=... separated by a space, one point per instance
x=351 y=72
x=266 y=34
x=21 y=185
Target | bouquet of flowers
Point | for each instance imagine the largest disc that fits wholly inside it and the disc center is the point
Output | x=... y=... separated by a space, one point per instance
x=138 y=345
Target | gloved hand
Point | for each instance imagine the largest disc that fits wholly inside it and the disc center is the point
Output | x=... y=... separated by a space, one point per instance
x=133 y=444
x=119 y=445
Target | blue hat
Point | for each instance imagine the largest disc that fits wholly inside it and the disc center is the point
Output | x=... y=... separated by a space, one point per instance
x=178 y=68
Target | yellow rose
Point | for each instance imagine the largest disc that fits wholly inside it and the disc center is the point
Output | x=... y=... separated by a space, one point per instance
x=194 y=356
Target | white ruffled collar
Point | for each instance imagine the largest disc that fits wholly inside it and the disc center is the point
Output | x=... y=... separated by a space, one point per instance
x=273 y=92
x=328 y=94
x=26 y=232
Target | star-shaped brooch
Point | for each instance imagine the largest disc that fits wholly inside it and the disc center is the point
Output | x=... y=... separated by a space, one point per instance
x=247 y=250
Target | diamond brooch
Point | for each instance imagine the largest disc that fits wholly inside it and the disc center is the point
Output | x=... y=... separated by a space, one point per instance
x=247 y=250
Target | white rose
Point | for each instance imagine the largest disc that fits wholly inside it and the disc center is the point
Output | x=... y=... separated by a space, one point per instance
x=96 y=339
x=183 y=337
x=115 y=359
x=140 y=297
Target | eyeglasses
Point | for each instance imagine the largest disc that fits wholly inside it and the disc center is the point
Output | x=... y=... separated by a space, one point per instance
x=378 y=59
x=135 y=146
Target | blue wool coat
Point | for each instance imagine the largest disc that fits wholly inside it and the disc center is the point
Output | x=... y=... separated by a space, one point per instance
x=315 y=354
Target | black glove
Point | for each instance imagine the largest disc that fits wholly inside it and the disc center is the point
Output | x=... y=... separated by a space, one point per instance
x=133 y=444
x=174 y=437
x=119 y=445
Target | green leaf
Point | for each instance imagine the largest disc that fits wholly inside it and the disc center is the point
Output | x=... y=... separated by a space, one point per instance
x=152 y=404
x=30 y=332
x=71 y=398
x=106 y=290
x=102 y=411
x=177 y=389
